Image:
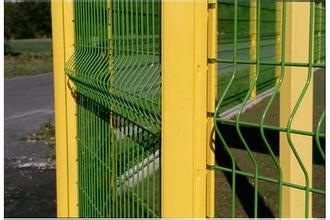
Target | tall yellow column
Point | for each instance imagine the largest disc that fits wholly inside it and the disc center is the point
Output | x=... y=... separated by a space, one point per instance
x=253 y=44
x=211 y=99
x=319 y=33
x=65 y=110
x=184 y=108
x=278 y=30
x=297 y=47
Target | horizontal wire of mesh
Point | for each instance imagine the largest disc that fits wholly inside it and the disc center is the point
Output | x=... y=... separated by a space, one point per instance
x=118 y=164
x=117 y=57
x=116 y=72
x=249 y=181
x=269 y=47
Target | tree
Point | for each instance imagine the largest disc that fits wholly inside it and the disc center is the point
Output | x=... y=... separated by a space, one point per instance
x=27 y=19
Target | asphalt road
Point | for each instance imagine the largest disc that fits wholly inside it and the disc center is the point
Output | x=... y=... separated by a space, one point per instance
x=29 y=170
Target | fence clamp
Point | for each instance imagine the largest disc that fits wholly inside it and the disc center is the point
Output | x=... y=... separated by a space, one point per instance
x=211 y=60
x=211 y=5
x=72 y=90
x=210 y=114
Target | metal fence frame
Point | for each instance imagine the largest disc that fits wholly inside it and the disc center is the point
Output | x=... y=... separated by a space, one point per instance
x=295 y=88
x=190 y=115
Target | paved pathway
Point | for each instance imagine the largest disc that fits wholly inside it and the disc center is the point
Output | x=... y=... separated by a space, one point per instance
x=29 y=177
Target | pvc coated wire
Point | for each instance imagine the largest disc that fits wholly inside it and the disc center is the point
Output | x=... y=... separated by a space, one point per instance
x=116 y=72
x=235 y=88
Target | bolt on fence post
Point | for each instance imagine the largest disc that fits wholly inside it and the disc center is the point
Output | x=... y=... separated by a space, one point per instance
x=65 y=111
x=299 y=40
x=184 y=108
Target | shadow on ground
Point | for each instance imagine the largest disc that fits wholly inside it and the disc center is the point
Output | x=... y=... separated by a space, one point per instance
x=268 y=192
x=29 y=192
x=245 y=186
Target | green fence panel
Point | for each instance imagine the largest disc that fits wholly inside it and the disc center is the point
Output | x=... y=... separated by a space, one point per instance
x=268 y=34
x=248 y=172
x=319 y=35
x=116 y=72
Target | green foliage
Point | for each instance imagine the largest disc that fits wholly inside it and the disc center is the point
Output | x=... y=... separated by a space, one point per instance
x=8 y=50
x=27 y=19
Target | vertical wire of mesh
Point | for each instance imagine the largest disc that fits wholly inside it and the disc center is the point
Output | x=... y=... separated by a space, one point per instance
x=116 y=72
x=249 y=181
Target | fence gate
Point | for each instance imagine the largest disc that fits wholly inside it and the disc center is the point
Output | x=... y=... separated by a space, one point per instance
x=189 y=108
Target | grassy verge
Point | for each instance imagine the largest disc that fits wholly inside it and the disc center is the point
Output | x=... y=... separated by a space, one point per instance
x=28 y=57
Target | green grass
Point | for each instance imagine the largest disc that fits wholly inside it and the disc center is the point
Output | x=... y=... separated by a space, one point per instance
x=145 y=195
x=34 y=57
x=150 y=190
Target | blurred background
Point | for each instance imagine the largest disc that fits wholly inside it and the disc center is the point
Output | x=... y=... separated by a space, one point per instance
x=27 y=28
x=29 y=166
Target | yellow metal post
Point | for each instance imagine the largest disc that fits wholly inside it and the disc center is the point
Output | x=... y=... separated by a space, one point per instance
x=184 y=108
x=253 y=44
x=211 y=99
x=278 y=30
x=319 y=33
x=297 y=47
x=65 y=110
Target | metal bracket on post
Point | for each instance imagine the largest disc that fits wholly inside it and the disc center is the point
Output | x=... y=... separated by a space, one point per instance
x=211 y=60
x=211 y=5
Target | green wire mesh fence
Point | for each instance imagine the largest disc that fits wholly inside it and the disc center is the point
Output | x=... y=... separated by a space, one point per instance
x=249 y=181
x=319 y=36
x=268 y=37
x=116 y=72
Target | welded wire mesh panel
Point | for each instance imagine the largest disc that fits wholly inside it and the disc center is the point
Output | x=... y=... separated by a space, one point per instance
x=319 y=35
x=245 y=42
x=116 y=72
x=117 y=56
x=250 y=130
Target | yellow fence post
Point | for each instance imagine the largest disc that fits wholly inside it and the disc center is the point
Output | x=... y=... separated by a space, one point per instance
x=65 y=110
x=253 y=44
x=211 y=99
x=319 y=33
x=297 y=50
x=184 y=108
x=278 y=29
